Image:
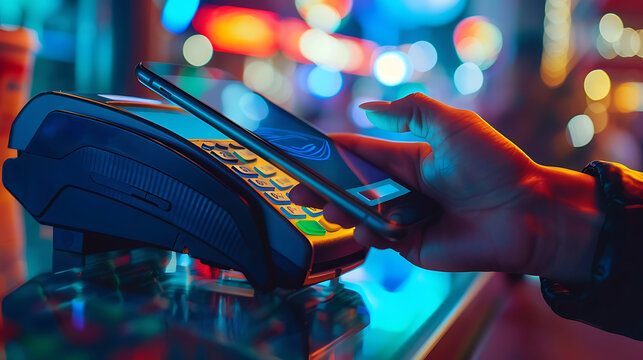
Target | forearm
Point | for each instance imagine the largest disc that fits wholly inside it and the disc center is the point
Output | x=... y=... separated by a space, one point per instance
x=568 y=221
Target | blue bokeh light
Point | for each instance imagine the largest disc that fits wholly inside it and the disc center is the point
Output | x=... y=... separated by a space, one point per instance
x=177 y=14
x=324 y=82
x=411 y=13
x=468 y=78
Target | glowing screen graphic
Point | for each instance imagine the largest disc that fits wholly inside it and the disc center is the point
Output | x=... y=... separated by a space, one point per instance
x=297 y=144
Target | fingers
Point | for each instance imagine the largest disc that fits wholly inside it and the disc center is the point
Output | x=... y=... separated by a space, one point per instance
x=301 y=195
x=399 y=159
x=421 y=115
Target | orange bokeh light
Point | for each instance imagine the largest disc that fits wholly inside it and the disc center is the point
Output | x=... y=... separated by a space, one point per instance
x=238 y=30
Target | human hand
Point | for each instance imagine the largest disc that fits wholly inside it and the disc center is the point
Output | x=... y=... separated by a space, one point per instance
x=503 y=212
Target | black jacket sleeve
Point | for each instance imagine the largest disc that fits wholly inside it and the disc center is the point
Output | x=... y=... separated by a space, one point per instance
x=613 y=300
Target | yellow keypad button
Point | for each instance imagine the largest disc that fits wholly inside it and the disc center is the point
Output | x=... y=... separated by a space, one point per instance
x=266 y=170
x=224 y=156
x=329 y=226
x=207 y=145
x=314 y=212
x=244 y=171
x=282 y=183
x=262 y=184
x=278 y=198
x=235 y=145
x=245 y=156
x=293 y=212
x=221 y=145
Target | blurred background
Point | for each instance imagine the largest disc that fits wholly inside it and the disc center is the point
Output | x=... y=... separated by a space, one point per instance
x=563 y=79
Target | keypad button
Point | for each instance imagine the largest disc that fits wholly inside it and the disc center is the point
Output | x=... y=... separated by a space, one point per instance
x=282 y=183
x=221 y=145
x=329 y=226
x=224 y=156
x=311 y=227
x=314 y=212
x=245 y=156
x=235 y=145
x=293 y=212
x=262 y=184
x=208 y=145
x=278 y=198
x=245 y=171
x=266 y=170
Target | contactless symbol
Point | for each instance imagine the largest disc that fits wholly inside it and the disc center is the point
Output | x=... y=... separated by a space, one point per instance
x=297 y=144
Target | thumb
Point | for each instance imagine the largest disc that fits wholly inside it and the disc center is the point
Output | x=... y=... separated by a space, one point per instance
x=421 y=115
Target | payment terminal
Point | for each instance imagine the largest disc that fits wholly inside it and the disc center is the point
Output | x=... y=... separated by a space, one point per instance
x=109 y=171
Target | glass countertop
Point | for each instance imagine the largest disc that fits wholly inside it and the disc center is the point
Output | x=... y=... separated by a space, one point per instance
x=151 y=302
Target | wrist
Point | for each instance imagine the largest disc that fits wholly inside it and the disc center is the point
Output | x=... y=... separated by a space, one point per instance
x=568 y=218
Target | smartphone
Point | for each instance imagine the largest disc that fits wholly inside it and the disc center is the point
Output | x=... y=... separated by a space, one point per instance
x=368 y=194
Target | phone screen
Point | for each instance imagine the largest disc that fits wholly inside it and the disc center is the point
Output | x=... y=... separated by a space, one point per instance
x=293 y=136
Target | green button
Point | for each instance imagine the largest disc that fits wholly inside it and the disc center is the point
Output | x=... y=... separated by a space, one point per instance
x=311 y=227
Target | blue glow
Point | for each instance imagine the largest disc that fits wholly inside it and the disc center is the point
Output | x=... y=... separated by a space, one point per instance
x=411 y=88
x=399 y=298
x=233 y=108
x=412 y=13
x=468 y=78
x=78 y=313
x=324 y=82
x=177 y=14
x=253 y=106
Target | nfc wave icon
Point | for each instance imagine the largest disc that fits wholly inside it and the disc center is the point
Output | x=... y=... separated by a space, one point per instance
x=297 y=144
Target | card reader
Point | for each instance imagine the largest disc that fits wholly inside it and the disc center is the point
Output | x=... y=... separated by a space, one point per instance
x=109 y=171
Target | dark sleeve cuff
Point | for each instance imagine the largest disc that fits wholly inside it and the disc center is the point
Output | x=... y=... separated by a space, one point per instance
x=613 y=300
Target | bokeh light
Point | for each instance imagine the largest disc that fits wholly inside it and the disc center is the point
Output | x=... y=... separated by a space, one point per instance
x=580 y=130
x=477 y=41
x=412 y=13
x=392 y=68
x=423 y=56
x=259 y=75
x=610 y=27
x=249 y=112
x=598 y=113
x=605 y=48
x=197 y=50
x=628 y=44
x=239 y=30
x=323 y=17
x=254 y=107
x=557 y=40
x=341 y=7
x=177 y=14
x=468 y=78
x=627 y=97
x=597 y=84
x=323 y=49
x=324 y=82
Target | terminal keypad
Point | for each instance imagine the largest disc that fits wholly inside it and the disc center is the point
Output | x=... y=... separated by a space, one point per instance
x=273 y=185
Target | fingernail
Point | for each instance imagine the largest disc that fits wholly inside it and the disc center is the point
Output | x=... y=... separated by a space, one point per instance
x=374 y=105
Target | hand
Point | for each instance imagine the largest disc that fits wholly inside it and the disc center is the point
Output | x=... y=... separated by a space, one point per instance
x=503 y=212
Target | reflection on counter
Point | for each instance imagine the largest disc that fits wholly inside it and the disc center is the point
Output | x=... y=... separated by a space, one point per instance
x=154 y=303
